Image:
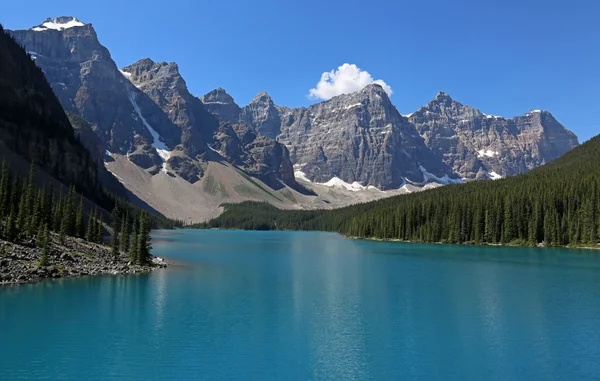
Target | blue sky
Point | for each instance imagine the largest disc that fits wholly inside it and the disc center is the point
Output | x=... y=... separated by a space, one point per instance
x=503 y=57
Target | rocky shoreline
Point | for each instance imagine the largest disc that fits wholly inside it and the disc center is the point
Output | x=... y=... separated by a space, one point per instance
x=73 y=257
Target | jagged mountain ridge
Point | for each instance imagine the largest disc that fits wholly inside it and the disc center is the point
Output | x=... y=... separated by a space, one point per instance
x=358 y=141
x=477 y=145
x=144 y=111
x=358 y=137
x=473 y=145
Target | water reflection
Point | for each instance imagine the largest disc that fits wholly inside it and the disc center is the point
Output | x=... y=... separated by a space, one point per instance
x=249 y=305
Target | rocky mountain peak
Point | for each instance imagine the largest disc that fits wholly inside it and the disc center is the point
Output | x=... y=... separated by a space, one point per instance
x=219 y=103
x=218 y=95
x=262 y=97
x=150 y=69
x=442 y=97
x=59 y=23
x=374 y=91
x=478 y=145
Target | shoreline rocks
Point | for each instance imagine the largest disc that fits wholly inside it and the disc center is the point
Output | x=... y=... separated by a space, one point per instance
x=73 y=257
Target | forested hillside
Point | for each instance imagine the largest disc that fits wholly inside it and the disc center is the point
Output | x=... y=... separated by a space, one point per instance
x=557 y=204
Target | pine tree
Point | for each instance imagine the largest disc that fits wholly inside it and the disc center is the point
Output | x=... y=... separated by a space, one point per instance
x=45 y=247
x=79 y=223
x=133 y=245
x=58 y=213
x=114 y=241
x=5 y=189
x=37 y=215
x=29 y=220
x=69 y=215
x=49 y=206
x=144 y=241
x=10 y=229
x=23 y=212
x=99 y=230
x=124 y=239
x=91 y=227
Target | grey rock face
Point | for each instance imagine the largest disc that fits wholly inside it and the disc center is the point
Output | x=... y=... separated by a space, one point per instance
x=144 y=110
x=263 y=115
x=88 y=83
x=33 y=124
x=476 y=145
x=355 y=137
x=165 y=86
x=257 y=155
x=358 y=137
x=221 y=105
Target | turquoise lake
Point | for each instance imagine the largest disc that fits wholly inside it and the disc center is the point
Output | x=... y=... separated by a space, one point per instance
x=313 y=306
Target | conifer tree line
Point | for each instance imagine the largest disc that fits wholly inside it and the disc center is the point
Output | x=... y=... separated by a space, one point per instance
x=557 y=204
x=29 y=213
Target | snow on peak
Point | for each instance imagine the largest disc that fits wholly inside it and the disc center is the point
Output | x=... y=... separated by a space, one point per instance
x=58 y=23
x=488 y=153
x=531 y=112
x=492 y=116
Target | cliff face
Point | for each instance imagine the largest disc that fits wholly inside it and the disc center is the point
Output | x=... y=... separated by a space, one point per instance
x=479 y=146
x=356 y=137
x=144 y=111
x=88 y=83
x=359 y=137
x=257 y=155
x=34 y=125
x=222 y=106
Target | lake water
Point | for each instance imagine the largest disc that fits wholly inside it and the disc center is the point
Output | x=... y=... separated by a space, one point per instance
x=303 y=306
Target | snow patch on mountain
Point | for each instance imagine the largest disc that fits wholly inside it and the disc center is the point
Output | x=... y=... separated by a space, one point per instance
x=494 y=176
x=336 y=182
x=488 y=153
x=56 y=25
x=302 y=176
x=160 y=147
x=442 y=180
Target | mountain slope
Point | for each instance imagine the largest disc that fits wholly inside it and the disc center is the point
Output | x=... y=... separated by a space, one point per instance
x=88 y=83
x=145 y=112
x=34 y=129
x=479 y=146
x=358 y=137
x=556 y=204
x=34 y=125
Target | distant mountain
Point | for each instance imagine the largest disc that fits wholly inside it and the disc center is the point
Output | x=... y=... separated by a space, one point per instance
x=553 y=205
x=358 y=137
x=202 y=136
x=479 y=146
x=151 y=132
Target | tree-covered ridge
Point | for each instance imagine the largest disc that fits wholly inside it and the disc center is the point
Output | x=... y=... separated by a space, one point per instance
x=557 y=204
x=28 y=212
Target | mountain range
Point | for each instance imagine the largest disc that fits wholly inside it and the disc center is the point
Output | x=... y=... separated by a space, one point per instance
x=186 y=155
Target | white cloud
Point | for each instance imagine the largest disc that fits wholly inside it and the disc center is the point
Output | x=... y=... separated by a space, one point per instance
x=348 y=78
